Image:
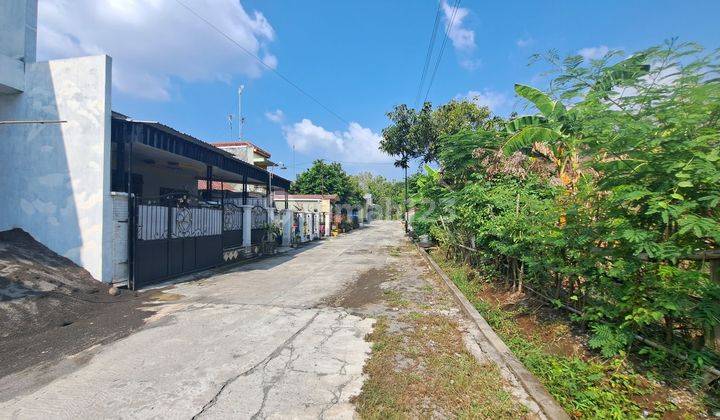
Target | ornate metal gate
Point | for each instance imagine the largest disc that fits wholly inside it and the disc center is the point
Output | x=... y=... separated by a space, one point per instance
x=232 y=235
x=259 y=219
x=173 y=235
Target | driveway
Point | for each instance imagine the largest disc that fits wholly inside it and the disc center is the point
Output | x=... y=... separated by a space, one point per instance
x=254 y=341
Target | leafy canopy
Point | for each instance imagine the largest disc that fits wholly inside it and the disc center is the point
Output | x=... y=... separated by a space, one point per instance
x=328 y=178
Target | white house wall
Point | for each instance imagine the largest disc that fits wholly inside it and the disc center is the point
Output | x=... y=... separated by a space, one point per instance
x=55 y=178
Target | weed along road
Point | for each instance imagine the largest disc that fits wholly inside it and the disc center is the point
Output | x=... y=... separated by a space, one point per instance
x=290 y=337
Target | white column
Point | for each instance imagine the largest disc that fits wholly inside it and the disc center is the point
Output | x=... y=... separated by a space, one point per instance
x=247 y=224
x=327 y=224
x=301 y=227
x=287 y=218
x=270 y=214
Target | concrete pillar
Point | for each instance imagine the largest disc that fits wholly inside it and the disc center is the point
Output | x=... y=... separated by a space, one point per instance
x=270 y=215
x=247 y=225
x=287 y=221
x=327 y=224
x=301 y=227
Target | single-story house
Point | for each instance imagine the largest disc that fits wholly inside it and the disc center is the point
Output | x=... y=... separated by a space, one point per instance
x=115 y=195
x=317 y=208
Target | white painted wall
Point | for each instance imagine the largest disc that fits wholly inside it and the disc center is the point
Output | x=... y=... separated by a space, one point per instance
x=55 y=179
x=18 y=33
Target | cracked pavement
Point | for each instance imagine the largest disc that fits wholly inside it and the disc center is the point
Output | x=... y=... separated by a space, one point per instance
x=254 y=341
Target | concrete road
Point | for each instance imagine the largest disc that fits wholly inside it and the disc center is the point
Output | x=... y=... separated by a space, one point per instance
x=253 y=342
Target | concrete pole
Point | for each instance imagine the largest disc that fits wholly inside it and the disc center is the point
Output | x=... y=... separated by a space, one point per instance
x=301 y=227
x=247 y=225
x=287 y=218
x=327 y=224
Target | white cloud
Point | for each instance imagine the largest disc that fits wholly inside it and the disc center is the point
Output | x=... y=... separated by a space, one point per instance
x=471 y=63
x=357 y=143
x=489 y=98
x=593 y=53
x=461 y=37
x=154 y=42
x=525 y=42
x=276 y=116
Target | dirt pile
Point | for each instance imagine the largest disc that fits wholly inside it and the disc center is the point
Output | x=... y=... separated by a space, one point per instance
x=39 y=288
x=50 y=307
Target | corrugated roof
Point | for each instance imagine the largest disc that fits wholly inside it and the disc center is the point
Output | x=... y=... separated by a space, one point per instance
x=224 y=159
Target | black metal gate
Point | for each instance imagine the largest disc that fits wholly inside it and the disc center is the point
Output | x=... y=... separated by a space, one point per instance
x=174 y=235
x=259 y=219
x=232 y=235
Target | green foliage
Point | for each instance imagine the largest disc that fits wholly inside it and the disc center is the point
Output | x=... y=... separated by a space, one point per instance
x=419 y=134
x=529 y=135
x=398 y=139
x=599 y=202
x=387 y=195
x=328 y=178
x=586 y=389
x=609 y=340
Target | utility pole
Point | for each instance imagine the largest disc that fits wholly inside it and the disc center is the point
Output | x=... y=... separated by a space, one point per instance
x=241 y=119
x=406 y=200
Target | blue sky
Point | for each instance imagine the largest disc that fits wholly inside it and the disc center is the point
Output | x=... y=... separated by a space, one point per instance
x=359 y=58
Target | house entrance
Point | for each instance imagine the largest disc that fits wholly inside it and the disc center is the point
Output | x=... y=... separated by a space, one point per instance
x=172 y=235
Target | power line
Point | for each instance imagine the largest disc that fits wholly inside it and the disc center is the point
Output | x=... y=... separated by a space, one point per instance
x=442 y=48
x=248 y=52
x=428 y=54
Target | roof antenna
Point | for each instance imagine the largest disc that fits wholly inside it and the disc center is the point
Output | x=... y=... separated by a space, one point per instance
x=241 y=119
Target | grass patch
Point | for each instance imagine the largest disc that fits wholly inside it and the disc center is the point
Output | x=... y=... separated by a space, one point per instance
x=424 y=371
x=594 y=388
x=396 y=299
x=395 y=251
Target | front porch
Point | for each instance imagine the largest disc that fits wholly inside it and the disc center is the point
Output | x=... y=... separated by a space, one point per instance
x=182 y=205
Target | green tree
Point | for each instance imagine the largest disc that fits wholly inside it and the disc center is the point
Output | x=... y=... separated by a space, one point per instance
x=452 y=118
x=398 y=140
x=328 y=178
x=387 y=195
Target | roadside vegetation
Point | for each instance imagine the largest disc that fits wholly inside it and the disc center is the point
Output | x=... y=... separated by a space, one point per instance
x=587 y=385
x=604 y=201
x=420 y=366
x=436 y=376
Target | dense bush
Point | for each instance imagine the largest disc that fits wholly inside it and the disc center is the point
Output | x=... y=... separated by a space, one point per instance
x=600 y=199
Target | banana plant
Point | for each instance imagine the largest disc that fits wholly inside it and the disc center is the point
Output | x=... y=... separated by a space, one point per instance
x=555 y=133
x=550 y=134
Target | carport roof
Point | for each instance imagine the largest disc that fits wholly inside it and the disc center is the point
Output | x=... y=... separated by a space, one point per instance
x=163 y=137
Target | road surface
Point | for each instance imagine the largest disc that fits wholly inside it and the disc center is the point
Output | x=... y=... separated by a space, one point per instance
x=254 y=341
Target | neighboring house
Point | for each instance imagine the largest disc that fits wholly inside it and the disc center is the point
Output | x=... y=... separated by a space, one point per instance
x=248 y=152
x=321 y=206
x=115 y=195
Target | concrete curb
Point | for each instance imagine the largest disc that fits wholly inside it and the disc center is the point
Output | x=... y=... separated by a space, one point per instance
x=534 y=388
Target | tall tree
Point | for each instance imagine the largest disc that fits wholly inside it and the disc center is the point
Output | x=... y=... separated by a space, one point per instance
x=398 y=140
x=328 y=178
x=452 y=118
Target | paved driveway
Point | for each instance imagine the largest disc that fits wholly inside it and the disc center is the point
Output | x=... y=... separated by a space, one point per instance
x=251 y=342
